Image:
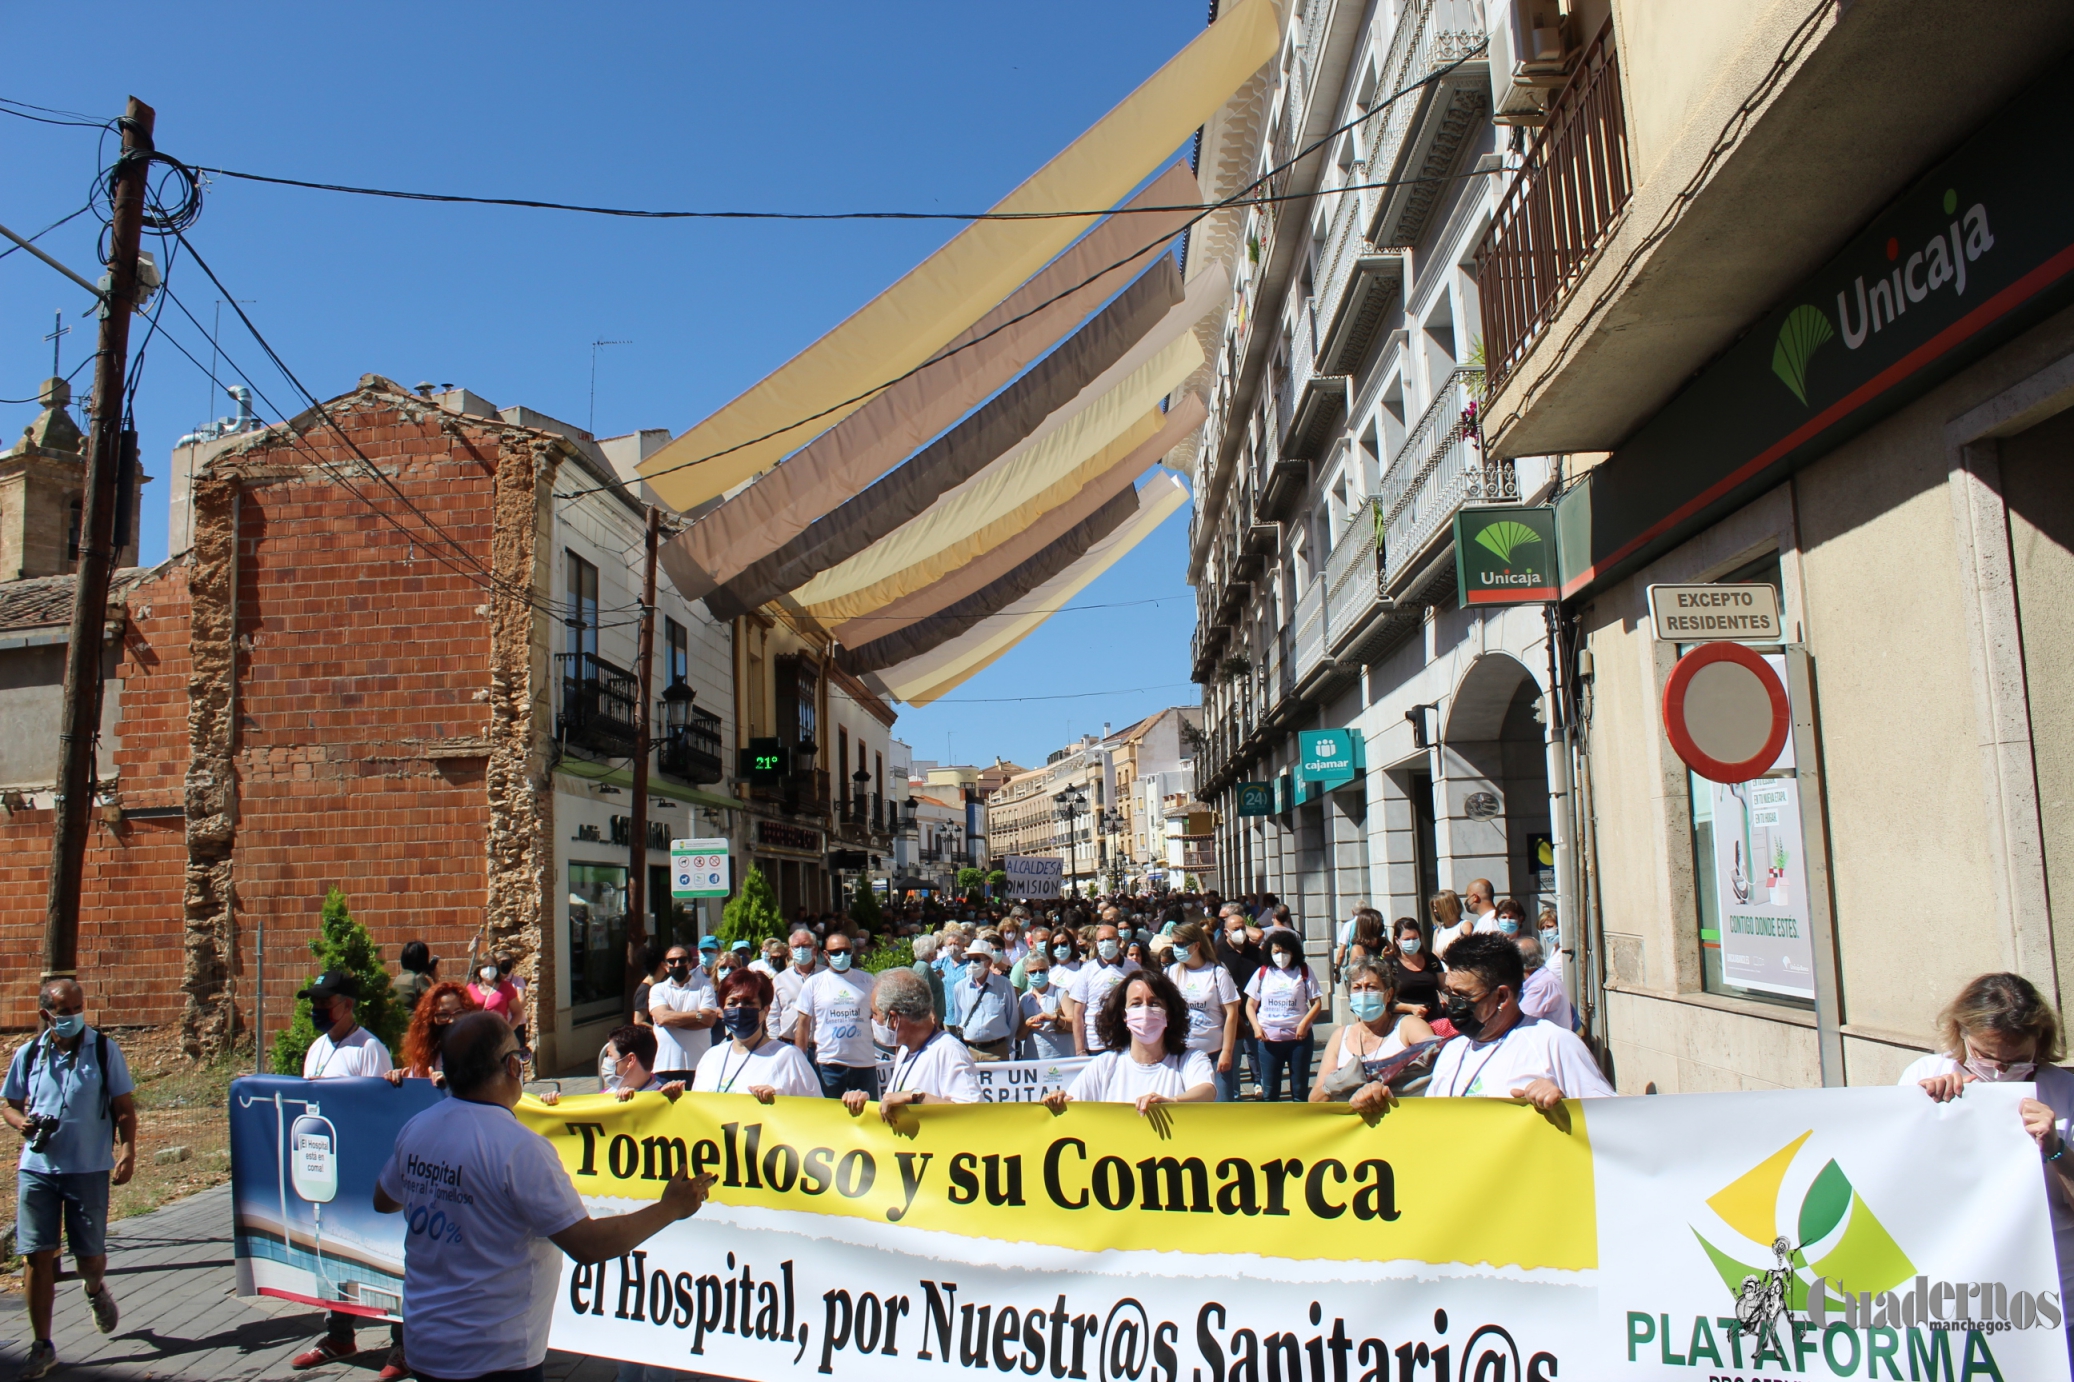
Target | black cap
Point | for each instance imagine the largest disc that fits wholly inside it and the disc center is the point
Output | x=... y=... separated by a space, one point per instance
x=333 y=983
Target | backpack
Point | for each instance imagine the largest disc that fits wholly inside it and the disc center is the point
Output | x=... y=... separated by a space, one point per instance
x=100 y=1063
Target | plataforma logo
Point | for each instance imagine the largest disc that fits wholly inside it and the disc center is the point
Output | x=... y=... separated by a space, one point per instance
x=1835 y=1235
x=1505 y=537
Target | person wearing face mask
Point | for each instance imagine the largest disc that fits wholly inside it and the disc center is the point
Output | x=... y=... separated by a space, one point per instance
x=981 y=1005
x=1504 y=1054
x=683 y=1009
x=1282 y=1001
x=751 y=1061
x=1066 y=963
x=1377 y=1032
x=1541 y=993
x=925 y=965
x=1013 y=944
x=1416 y=972
x=343 y=1050
x=1999 y=1030
x=1038 y=938
x=1046 y=1031
x=1551 y=941
x=79 y=1077
x=1145 y=1060
x=626 y=1067
x=834 y=1024
x=492 y=993
x=950 y=948
x=436 y=1012
x=771 y=963
x=930 y=1066
x=1091 y=986
x=1213 y=1004
x=1480 y=905
x=1511 y=919
x=802 y=958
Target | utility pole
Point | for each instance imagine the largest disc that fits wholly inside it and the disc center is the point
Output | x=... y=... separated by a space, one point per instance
x=637 y=861
x=81 y=720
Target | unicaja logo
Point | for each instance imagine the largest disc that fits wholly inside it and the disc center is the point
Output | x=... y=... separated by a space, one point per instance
x=1504 y=538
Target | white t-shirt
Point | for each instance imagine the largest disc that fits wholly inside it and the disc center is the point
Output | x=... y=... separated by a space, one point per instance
x=942 y=1069
x=1090 y=985
x=1488 y=921
x=477 y=1296
x=1115 y=1078
x=1445 y=936
x=361 y=1053
x=779 y=1064
x=678 y=1049
x=1530 y=1050
x=839 y=1001
x=2055 y=1089
x=1284 y=995
x=1207 y=990
x=784 y=1014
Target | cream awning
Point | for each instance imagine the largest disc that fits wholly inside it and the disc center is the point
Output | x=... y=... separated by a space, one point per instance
x=947 y=292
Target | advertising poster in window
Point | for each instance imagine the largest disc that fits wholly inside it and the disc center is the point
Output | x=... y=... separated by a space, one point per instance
x=1761 y=888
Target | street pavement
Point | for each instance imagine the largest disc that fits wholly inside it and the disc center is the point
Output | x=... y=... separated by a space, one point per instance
x=182 y=1320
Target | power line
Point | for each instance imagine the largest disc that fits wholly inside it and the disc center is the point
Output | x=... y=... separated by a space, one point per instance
x=1066 y=696
x=1235 y=199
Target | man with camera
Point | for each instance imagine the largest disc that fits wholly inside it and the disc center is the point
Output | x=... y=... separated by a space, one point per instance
x=68 y=1094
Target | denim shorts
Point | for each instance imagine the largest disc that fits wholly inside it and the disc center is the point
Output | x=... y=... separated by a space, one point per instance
x=79 y=1197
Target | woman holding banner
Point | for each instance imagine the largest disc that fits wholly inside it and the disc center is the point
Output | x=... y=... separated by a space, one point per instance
x=1377 y=1032
x=754 y=1062
x=1144 y=1026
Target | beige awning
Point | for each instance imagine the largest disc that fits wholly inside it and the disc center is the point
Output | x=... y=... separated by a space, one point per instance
x=780 y=504
x=921 y=680
x=1140 y=457
x=1018 y=477
x=949 y=291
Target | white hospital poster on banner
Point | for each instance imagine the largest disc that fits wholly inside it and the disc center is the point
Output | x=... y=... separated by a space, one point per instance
x=1033 y=877
x=1761 y=887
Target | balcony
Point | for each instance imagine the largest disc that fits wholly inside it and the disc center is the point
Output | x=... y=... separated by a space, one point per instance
x=1314 y=402
x=1358 y=284
x=600 y=705
x=1423 y=136
x=691 y=752
x=804 y=793
x=1440 y=468
x=1280 y=479
x=1558 y=211
x=1310 y=633
x=1354 y=597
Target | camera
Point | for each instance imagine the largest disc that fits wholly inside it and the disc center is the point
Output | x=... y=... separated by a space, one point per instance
x=37 y=1130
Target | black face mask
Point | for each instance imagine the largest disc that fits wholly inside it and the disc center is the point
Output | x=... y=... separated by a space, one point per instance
x=1462 y=1012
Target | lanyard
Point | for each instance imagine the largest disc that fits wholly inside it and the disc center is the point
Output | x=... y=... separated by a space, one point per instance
x=902 y=1070
x=727 y=1081
x=1455 y=1086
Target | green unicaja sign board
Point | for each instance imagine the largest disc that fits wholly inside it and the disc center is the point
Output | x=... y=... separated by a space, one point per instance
x=1505 y=555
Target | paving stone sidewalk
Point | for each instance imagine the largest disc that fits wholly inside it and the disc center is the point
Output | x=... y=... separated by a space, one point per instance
x=171 y=1272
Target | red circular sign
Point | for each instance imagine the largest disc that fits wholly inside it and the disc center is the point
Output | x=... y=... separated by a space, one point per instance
x=1726 y=712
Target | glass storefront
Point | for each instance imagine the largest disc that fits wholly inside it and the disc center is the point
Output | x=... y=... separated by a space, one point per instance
x=597 y=939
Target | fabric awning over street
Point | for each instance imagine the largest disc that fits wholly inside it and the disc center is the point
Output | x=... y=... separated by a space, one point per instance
x=779 y=504
x=935 y=673
x=930 y=305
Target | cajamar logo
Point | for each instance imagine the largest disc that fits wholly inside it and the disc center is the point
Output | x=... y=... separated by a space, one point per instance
x=1505 y=537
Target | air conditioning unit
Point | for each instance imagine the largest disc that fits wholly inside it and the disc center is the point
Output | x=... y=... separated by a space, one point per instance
x=1530 y=54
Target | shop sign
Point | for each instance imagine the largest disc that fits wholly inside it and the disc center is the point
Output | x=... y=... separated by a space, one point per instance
x=1329 y=757
x=1505 y=555
x=1256 y=798
x=698 y=868
x=779 y=835
x=1978 y=250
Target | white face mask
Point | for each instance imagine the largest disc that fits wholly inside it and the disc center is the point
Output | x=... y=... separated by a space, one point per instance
x=1283 y=959
x=488 y=974
x=884 y=1035
x=1988 y=1072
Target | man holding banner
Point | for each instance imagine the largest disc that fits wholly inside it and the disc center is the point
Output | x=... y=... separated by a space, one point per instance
x=1507 y=1055
x=477 y=1295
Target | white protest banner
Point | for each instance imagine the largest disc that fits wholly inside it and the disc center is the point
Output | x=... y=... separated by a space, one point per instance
x=1033 y=877
x=1755 y=1235
x=1010 y=1081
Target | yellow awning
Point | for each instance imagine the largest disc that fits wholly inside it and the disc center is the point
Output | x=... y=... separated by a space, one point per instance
x=1023 y=474
x=922 y=679
x=914 y=318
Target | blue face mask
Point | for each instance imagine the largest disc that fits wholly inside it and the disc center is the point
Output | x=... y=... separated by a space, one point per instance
x=1411 y=945
x=69 y=1026
x=1106 y=949
x=838 y=960
x=803 y=955
x=1367 y=1005
x=1507 y=926
x=1062 y=952
x=1040 y=979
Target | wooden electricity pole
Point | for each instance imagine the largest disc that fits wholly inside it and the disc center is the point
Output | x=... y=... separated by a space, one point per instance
x=98 y=540
x=637 y=858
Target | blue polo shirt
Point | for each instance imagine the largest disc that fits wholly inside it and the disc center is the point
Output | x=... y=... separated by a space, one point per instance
x=70 y=1084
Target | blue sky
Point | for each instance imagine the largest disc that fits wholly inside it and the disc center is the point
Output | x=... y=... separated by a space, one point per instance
x=905 y=106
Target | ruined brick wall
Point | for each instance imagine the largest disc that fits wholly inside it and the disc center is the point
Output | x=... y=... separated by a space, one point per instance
x=130 y=913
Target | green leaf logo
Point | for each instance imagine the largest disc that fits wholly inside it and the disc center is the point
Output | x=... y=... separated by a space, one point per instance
x=1506 y=537
x=1805 y=329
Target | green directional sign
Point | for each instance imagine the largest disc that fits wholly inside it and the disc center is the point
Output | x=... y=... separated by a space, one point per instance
x=1256 y=798
x=1505 y=555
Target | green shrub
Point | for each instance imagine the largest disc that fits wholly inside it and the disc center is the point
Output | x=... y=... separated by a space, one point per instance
x=752 y=914
x=343 y=943
x=864 y=906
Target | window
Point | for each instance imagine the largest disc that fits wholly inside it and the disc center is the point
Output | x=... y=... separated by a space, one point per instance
x=842 y=763
x=1710 y=834
x=583 y=606
x=597 y=938
x=679 y=644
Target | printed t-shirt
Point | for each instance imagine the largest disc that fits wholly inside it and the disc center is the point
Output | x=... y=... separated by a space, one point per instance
x=839 y=1001
x=677 y=1049
x=779 y=1064
x=1090 y=986
x=1207 y=990
x=1115 y=1078
x=482 y=1194
x=1529 y=1050
x=1284 y=995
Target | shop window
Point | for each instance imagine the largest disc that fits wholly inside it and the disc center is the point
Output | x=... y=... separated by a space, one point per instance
x=1725 y=853
x=597 y=938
